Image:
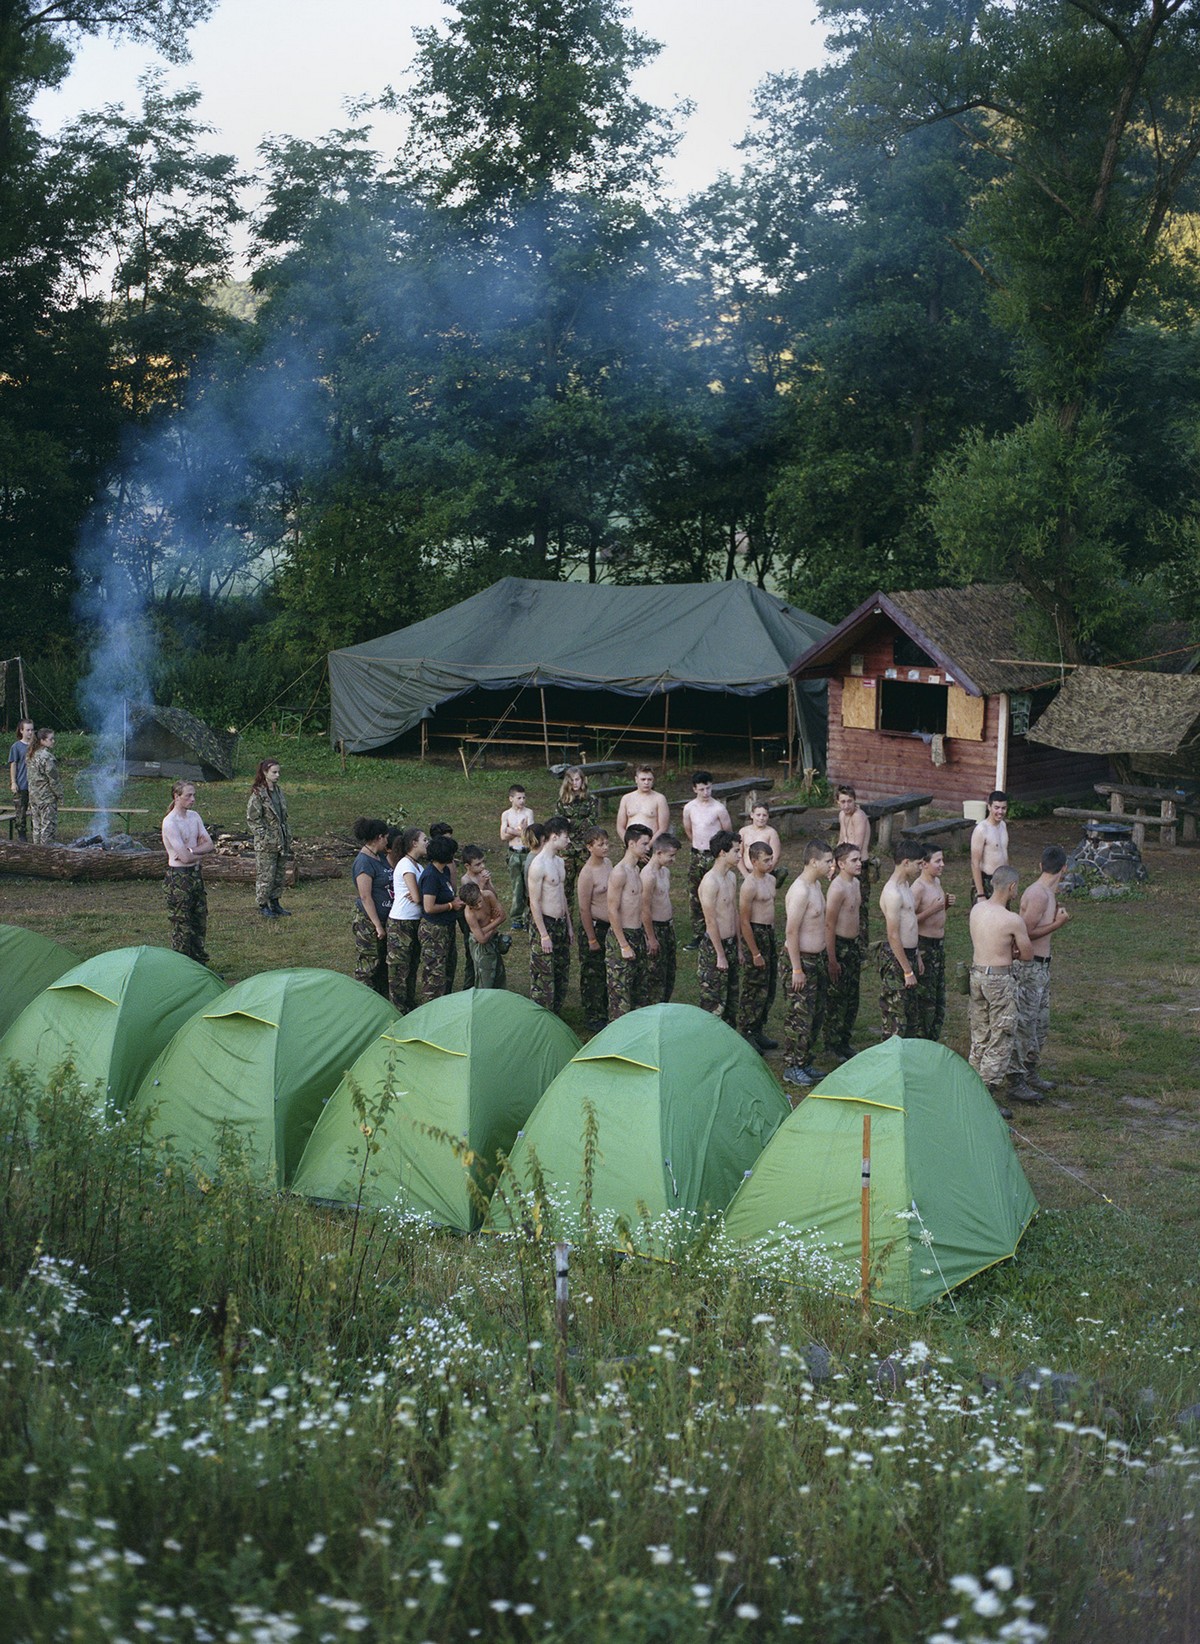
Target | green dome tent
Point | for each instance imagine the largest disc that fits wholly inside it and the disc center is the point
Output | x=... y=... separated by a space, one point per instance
x=682 y=1106
x=28 y=963
x=948 y=1196
x=260 y=1063
x=471 y=1065
x=111 y=1016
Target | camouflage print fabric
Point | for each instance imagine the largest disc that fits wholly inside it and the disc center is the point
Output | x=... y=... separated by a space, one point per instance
x=1032 y=983
x=719 y=988
x=758 y=985
x=403 y=961
x=550 y=972
x=267 y=815
x=460 y=920
x=187 y=909
x=993 y=1015
x=663 y=964
x=43 y=815
x=806 y=1010
x=698 y=865
x=436 y=942
x=21 y=806
x=987 y=889
x=487 y=963
x=593 y=985
x=931 y=987
x=841 y=1010
x=516 y=861
x=268 y=875
x=628 y=980
x=370 y=954
x=581 y=816
x=897 y=1003
x=45 y=783
x=868 y=877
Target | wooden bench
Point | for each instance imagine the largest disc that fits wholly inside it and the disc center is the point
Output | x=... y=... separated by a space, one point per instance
x=937 y=826
x=882 y=814
x=1170 y=804
x=1138 y=821
x=123 y=811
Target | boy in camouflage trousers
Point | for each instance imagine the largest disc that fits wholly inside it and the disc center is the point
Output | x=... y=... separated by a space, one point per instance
x=591 y=889
x=718 y=963
x=756 y=913
x=625 y=956
x=550 y=933
x=804 y=938
x=658 y=919
x=186 y=842
x=843 y=948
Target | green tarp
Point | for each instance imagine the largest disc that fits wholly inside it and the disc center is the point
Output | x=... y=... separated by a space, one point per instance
x=259 y=1065
x=111 y=1016
x=948 y=1196
x=637 y=641
x=28 y=963
x=683 y=1107
x=460 y=1075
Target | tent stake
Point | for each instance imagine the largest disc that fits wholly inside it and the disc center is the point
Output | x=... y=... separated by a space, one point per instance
x=866 y=1213
x=561 y=1254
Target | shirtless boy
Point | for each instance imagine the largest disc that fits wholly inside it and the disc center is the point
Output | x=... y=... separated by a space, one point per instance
x=899 y=954
x=644 y=805
x=625 y=958
x=931 y=902
x=854 y=828
x=989 y=846
x=1043 y=916
x=717 y=962
x=484 y=916
x=758 y=831
x=760 y=973
x=703 y=816
x=513 y=823
x=997 y=937
x=550 y=937
x=658 y=917
x=808 y=984
x=843 y=950
x=591 y=891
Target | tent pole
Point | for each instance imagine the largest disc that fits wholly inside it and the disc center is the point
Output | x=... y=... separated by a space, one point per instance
x=750 y=732
x=424 y=739
x=545 y=726
x=791 y=724
x=666 y=725
x=866 y=1214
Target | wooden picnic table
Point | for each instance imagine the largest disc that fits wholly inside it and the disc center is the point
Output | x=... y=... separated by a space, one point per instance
x=1171 y=804
x=937 y=826
x=123 y=811
x=882 y=814
x=598 y=767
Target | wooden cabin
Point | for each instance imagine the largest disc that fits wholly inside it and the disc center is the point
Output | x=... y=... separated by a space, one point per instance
x=934 y=690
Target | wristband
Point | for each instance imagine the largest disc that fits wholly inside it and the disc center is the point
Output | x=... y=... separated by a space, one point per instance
x=908 y=975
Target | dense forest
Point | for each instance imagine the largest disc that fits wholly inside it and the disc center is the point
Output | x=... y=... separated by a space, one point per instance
x=941 y=327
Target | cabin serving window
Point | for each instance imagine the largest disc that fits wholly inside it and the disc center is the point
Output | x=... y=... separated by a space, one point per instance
x=913 y=708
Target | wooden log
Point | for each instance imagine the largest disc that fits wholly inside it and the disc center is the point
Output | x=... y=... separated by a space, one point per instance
x=61 y=862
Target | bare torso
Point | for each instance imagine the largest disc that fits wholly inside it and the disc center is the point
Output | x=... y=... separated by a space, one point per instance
x=656 y=885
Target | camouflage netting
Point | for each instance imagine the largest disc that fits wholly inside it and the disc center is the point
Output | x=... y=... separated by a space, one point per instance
x=1153 y=719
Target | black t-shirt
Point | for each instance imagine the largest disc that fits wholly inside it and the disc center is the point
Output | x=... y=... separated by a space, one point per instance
x=435 y=882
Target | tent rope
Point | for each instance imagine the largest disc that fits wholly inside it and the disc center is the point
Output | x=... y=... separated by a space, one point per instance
x=491 y=736
x=1067 y=1171
x=648 y=696
x=320 y=663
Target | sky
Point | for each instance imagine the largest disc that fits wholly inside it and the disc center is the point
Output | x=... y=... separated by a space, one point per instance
x=286 y=67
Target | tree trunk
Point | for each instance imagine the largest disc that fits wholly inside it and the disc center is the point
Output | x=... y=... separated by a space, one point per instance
x=61 y=862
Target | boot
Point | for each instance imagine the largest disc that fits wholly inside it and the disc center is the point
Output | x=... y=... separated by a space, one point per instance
x=267 y=911
x=998 y=1093
x=762 y=1042
x=1038 y=1083
x=1020 y=1091
x=280 y=913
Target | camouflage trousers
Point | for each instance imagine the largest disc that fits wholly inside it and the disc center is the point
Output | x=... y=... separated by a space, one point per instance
x=187 y=909
x=841 y=1010
x=993 y=1016
x=628 y=979
x=573 y=859
x=460 y=921
x=370 y=954
x=487 y=963
x=806 y=1010
x=403 y=962
x=759 y=982
x=1032 y=982
x=931 y=987
x=550 y=972
x=436 y=942
x=21 y=807
x=987 y=889
x=593 y=985
x=268 y=876
x=517 y=861
x=698 y=865
x=663 y=963
x=719 y=987
x=43 y=814
x=897 y=1003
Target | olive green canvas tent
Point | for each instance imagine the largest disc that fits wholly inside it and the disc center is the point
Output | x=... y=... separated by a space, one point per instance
x=111 y=1016
x=948 y=1197
x=457 y=1077
x=28 y=963
x=681 y=1106
x=257 y=1067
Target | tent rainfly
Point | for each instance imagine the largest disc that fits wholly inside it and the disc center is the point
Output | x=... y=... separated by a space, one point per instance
x=728 y=637
x=468 y=1068
x=172 y=742
x=28 y=963
x=948 y=1197
x=111 y=1016
x=1151 y=719
x=682 y=1107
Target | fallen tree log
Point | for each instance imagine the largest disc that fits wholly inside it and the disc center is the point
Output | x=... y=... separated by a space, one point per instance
x=62 y=862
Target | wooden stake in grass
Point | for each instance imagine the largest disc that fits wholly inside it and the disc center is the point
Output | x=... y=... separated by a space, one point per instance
x=866 y=1214
x=561 y=1264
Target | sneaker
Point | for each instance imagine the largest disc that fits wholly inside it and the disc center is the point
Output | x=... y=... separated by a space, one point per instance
x=797 y=1075
x=691 y=947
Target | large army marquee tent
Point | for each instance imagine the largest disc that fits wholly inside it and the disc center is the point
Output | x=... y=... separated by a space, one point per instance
x=724 y=639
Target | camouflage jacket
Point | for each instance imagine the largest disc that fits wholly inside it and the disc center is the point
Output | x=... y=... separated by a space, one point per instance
x=269 y=821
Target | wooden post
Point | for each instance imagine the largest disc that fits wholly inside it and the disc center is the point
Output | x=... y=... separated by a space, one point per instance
x=561 y=1319
x=545 y=725
x=791 y=724
x=1166 y=833
x=750 y=732
x=866 y=1214
x=424 y=739
x=666 y=725
x=342 y=751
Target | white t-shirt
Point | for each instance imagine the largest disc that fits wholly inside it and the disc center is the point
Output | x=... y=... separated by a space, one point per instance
x=186 y=830
x=402 y=905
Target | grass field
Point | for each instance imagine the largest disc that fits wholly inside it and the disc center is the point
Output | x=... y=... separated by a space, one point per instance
x=232 y=1416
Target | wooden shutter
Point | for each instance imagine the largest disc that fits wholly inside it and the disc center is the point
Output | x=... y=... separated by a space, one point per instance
x=964 y=714
x=860 y=704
